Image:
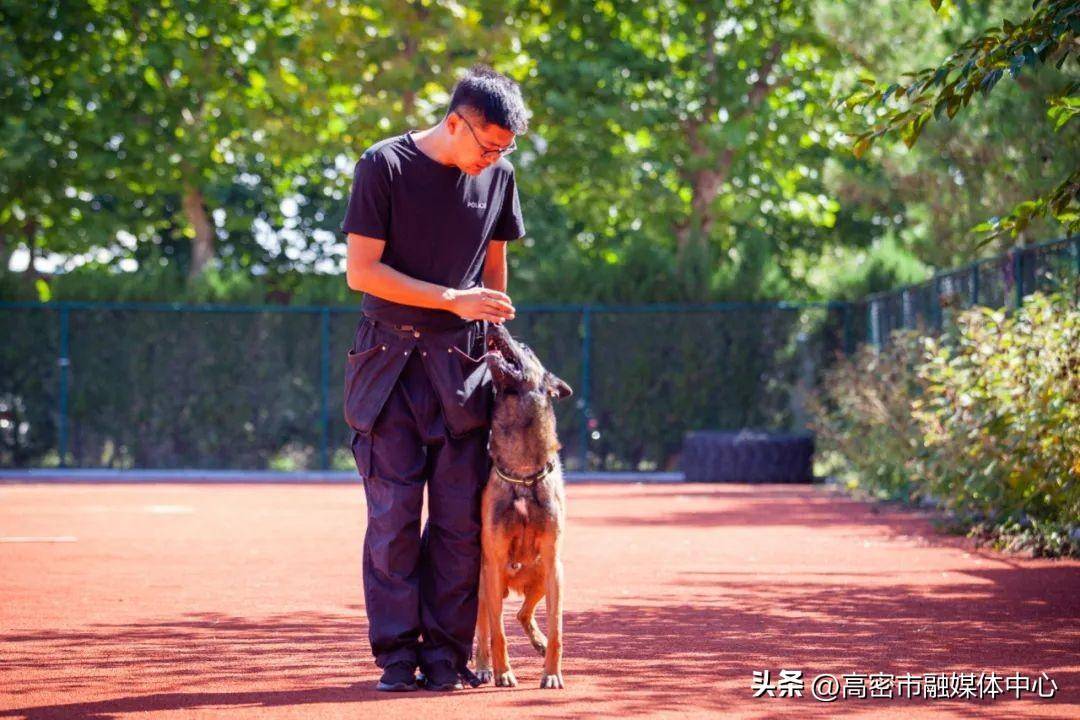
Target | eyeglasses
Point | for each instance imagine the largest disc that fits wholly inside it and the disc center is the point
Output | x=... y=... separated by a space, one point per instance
x=488 y=152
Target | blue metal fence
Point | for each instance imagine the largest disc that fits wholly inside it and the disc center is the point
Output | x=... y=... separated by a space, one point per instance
x=1001 y=282
x=152 y=385
x=158 y=385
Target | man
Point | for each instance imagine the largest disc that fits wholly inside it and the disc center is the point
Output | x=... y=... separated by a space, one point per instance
x=428 y=220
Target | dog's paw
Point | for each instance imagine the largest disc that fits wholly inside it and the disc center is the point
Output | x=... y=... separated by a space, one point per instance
x=551 y=682
x=539 y=644
x=484 y=675
x=505 y=679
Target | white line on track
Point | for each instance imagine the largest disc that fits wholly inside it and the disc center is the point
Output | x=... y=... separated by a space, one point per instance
x=36 y=539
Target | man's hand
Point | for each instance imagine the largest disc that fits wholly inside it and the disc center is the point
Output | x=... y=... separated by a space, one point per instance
x=481 y=303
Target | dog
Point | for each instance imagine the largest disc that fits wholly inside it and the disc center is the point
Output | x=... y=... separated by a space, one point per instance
x=523 y=510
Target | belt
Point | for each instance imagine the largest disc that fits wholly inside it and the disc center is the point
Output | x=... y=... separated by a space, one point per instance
x=418 y=330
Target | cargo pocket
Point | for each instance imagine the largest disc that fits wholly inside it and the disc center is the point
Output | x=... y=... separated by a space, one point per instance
x=372 y=367
x=465 y=392
x=354 y=357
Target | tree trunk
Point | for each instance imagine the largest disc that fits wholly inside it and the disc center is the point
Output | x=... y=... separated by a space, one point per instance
x=408 y=96
x=707 y=181
x=202 y=245
x=30 y=233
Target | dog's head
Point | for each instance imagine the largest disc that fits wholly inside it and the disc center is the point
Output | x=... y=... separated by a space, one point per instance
x=523 y=421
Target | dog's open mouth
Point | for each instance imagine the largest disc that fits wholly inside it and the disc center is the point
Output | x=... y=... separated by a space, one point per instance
x=505 y=355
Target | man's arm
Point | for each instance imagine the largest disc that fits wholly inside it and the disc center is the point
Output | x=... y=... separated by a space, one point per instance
x=494 y=273
x=365 y=272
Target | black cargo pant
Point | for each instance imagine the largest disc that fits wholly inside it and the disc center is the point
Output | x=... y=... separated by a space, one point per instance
x=425 y=396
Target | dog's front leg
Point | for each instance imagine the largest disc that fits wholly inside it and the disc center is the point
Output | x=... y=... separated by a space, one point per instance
x=483 y=634
x=494 y=592
x=534 y=593
x=553 y=658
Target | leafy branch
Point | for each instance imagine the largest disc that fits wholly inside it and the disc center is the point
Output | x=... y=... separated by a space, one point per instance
x=1048 y=34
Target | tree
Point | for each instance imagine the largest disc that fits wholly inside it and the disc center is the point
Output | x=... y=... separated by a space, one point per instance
x=187 y=124
x=49 y=131
x=679 y=146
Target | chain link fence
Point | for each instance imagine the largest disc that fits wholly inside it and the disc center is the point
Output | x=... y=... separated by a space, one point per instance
x=999 y=282
x=159 y=386
x=151 y=386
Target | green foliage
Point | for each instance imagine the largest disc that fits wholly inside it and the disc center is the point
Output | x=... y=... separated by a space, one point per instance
x=166 y=283
x=696 y=127
x=996 y=154
x=1047 y=35
x=678 y=151
x=1001 y=415
x=852 y=273
x=862 y=415
x=149 y=117
x=984 y=420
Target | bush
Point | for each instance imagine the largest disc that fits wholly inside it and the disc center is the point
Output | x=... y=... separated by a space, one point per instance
x=984 y=421
x=861 y=415
x=155 y=283
x=1001 y=414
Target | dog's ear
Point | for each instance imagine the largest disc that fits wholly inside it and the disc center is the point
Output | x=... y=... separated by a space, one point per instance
x=556 y=387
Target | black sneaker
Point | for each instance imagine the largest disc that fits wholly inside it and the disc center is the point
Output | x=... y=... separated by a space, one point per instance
x=469 y=676
x=441 y=676
x=398 y=677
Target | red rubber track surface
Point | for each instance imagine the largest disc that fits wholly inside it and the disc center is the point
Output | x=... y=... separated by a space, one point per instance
x=245 y=601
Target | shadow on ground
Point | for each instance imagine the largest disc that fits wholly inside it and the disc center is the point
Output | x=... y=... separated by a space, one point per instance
x=650 y=654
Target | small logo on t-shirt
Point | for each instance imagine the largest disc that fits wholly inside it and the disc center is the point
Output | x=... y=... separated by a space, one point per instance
x=477 y=205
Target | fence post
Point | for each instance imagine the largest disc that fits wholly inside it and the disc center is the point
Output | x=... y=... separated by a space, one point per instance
x=975 y=284
x=1076 y=255
x=586 y=340
x=873 y=324
x=64 y=362
x=846 y=309
x=324 y=376
x=938 y=315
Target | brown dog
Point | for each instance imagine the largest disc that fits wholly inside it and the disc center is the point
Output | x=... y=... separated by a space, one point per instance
x=523 y=511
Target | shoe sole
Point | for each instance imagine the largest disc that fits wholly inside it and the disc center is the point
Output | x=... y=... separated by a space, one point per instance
x=396 y=687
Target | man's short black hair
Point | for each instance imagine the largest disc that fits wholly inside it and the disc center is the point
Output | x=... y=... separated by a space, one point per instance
x=492 y=97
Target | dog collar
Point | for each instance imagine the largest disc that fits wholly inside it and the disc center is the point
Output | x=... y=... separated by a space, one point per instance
x=528 y=479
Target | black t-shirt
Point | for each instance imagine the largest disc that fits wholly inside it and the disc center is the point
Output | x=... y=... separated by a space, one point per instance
x=436 y=220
